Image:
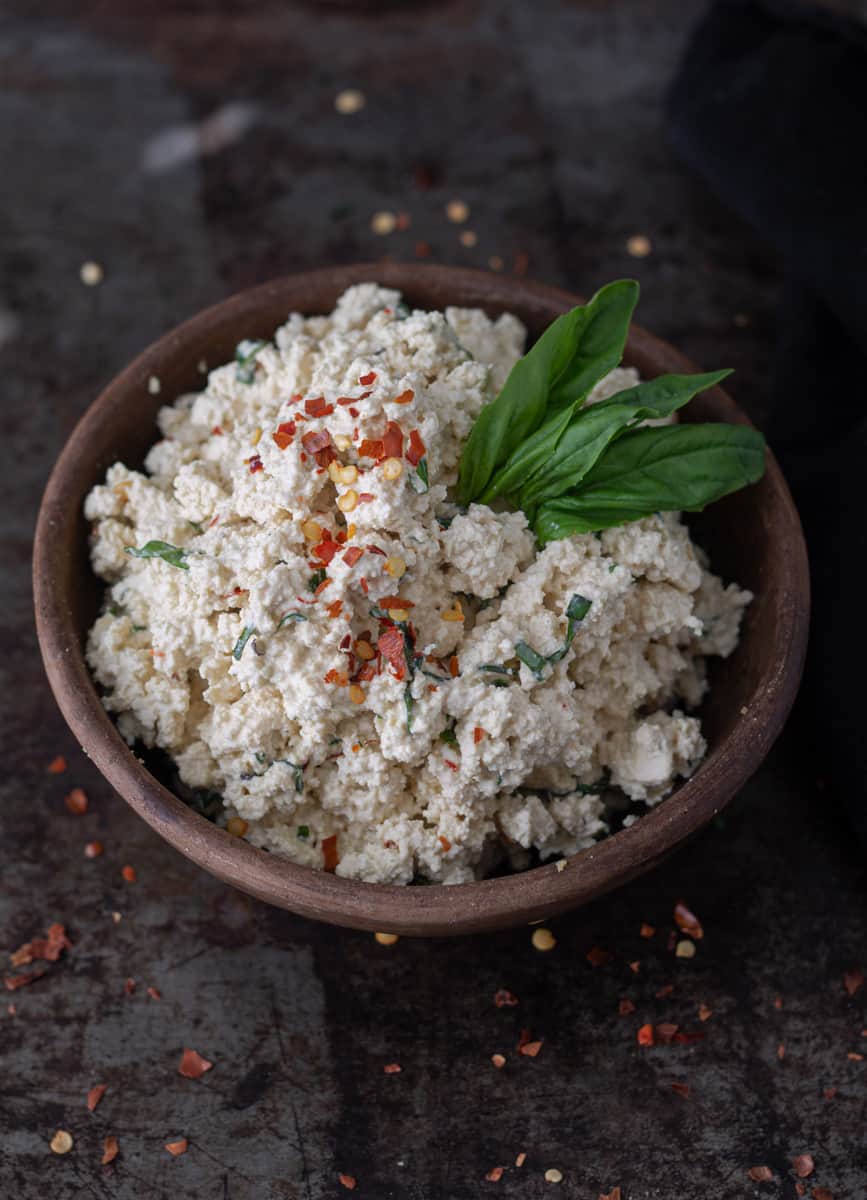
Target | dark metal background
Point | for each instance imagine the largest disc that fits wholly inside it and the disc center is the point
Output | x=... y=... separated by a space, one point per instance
x=546 y=119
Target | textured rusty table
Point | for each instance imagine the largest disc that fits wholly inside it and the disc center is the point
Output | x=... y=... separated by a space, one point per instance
x=189 y=152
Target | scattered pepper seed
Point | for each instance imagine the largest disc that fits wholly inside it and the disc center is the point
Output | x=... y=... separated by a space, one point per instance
x=349 y=101
x=117 y=917
x=531 y=1049
x=154 y=385
x=61 y=1143
x=457 y=211
x=383 y=223
x=685 y=949
x=57 y=765
x=704 y=1013
x=552 y=1175
x=154 y=993
x=561 y=865
x=178 y=1147
x=76 y=801
x=93 y=849
x=687 y=922
x=638 y=246
x=543 y=939
x=521 y=1159
x=110 y=1149
x=495 y=1174
x=386 y=939
x=468 y=238
x=91 y=274
x=498 y=1060
x=237 y=826
x=129 y=873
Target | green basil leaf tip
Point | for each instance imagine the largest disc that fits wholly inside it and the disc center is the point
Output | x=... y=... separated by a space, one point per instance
x=246 y=353
x=173 y=555
x=246 y=633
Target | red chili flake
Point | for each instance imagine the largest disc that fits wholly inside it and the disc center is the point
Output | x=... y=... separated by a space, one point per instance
x=364 y=586
x=13 y=982
x=853 y=980
x=365 y=497
x=325 y=457
x=422 y=250
x=498 y=1060
x=454 y=668
x=453 y=766
x=495 y=1174
x=93 y=849
x=521 y=1159
x=390 y=644
x=192 y=1065
x=49 y=948
x=392 y=1068
x=129 y=874
x=822 y=1193
x=95 y=1094
x=129 y=986
x=853 y=1057
x=154 y=993
x=392 y=440
x=625 y=1007
x=781 y=1052
x=597 y=957
x=687 y=1037
x=318 y=407
x=341 y=536
x=405 y=397
x=368 y=379
x=388 y=602
x=303 y=458
x=635 y=967
x=687 y=921
x=217 y=431
x=353 y=412
x=76 y=801
x=352 y=555
x=287 y=427
x=417 y=449
x=335 y=676
x=110 y=1149
x=645 y=1035
x=366 y=673
x=178 y=1147
x=315 y=440
x=647 y=931
x=829 y=1093
x=531 y=1049
x=704 y=1012
x=255 y=464
x=666 y=1032
x=804 y=1165
x=680 y=1089
x=478 y=734
x=283 y=440
x=322 y=586
x=504 y=998
x=664 y=991
x=761 y=1174
x=444 y=841
x=377 y=550
x=344 y=401
x=329 y=853
x=334 y=608
x=57 y=765
x=348 y=1181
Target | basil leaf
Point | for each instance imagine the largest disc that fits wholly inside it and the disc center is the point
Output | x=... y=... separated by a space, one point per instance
x=574 y=350
x=678 y=467
x=532 y=659
x=318 y=576
x=450 y=738
x=173 y=555
x=246 y=633
x=304 y=831
x=291 y=617
x=408 y=705
x=576 y=610
x=245 y=359
x=297 y=771
x=591 y=430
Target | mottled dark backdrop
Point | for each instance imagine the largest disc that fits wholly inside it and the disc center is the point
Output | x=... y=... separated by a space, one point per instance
x=189 y=150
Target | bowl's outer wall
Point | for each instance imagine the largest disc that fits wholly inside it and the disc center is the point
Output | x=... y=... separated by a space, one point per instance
x=753 y=536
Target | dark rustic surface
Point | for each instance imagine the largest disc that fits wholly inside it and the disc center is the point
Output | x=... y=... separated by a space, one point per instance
x=545 y=119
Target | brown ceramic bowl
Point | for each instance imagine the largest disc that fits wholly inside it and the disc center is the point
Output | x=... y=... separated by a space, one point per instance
x=753 y=536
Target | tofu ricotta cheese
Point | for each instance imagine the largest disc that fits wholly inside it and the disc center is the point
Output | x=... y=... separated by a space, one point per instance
x=301 y=618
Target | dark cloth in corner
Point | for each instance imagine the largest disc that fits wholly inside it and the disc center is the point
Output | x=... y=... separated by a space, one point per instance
x=770 y=107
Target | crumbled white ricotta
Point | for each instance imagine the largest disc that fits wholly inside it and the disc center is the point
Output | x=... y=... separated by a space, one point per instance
x=322 y=659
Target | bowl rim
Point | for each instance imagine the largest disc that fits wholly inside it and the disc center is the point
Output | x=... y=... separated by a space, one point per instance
x=446 y=909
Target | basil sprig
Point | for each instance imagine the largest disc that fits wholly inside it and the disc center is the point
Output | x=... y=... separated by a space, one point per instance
x=175 y=556
x=578 y=468
x=246 y=353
